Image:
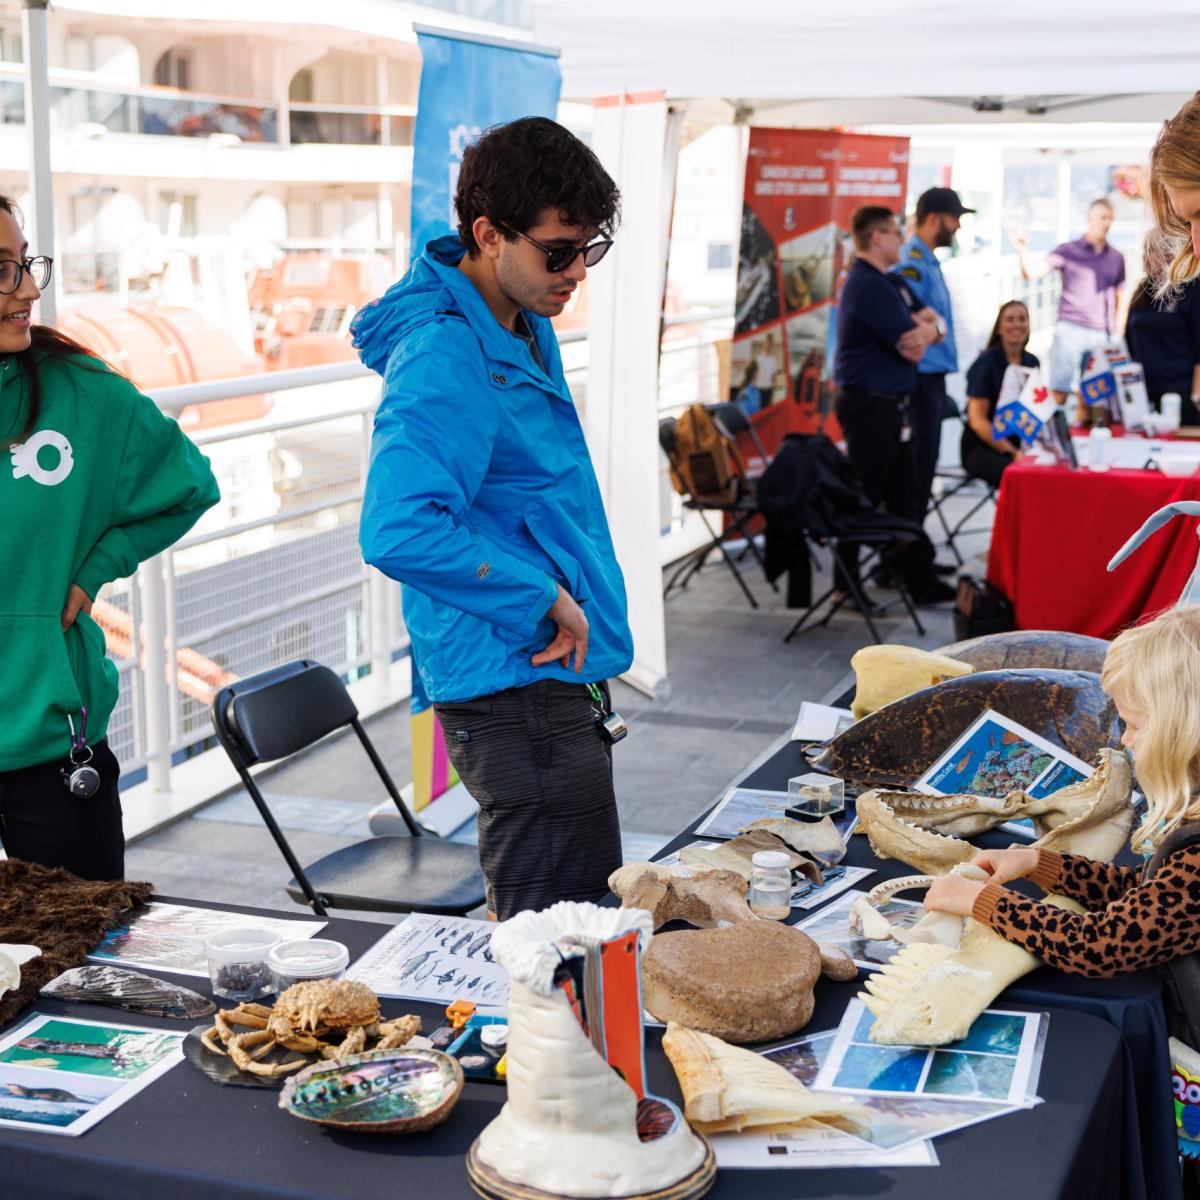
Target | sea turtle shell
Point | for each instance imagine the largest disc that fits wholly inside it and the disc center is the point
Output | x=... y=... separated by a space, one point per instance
x=894 y=746
x=380 y=1091
x=1028 y=648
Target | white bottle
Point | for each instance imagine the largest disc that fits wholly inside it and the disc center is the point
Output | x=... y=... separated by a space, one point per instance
x=1098 y=441
x=770 y=895
x=1170 y=407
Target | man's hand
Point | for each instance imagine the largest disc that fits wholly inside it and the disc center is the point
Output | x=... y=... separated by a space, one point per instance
x=572 y=636
x=1018 y=237
x=77 y=598
x=912 y=343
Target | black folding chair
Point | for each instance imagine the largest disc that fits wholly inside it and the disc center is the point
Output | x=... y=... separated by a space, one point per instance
x=949 y=482
x=876 y=545
x=276 y=713
x=730 y=421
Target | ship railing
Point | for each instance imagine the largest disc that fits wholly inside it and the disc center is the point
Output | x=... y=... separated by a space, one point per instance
x=273 y=573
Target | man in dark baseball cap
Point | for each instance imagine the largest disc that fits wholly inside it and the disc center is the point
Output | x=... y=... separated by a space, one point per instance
x=938 y=211
x=940 y=200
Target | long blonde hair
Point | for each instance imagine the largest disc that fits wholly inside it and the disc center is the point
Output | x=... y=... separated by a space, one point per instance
x=1175 y=161
x=1155 y=669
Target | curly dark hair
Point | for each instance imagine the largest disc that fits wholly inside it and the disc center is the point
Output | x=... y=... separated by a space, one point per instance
x=515 y=172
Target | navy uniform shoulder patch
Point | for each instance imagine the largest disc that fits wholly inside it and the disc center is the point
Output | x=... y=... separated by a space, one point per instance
x=914 y=252
x=910 y=273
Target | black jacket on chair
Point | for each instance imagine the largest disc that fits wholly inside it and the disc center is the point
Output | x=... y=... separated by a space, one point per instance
x=810 y=490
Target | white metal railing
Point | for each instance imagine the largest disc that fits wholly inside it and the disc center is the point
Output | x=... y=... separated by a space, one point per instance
x=274 y=573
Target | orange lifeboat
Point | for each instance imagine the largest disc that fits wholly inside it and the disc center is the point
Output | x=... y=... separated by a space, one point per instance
x=163 y=347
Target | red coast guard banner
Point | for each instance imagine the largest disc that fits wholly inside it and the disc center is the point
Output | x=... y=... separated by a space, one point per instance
x=802 y=187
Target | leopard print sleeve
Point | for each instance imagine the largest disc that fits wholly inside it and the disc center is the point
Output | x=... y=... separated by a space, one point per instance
x=1094 y=884
x=1151 y=923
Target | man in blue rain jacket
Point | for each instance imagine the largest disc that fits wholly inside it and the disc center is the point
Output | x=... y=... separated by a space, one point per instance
x=482 y=501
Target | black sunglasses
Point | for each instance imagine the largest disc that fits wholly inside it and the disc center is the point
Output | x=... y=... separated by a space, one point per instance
x=559 y=258
x=12 y=271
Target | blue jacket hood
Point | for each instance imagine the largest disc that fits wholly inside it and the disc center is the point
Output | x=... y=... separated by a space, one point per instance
x=425 y=289
x=434 y=285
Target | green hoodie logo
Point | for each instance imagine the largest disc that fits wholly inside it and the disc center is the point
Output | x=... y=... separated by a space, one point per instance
x=25 y=458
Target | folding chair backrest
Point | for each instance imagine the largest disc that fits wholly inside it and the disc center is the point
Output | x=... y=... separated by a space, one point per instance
x=731 y=419
x=277 y=712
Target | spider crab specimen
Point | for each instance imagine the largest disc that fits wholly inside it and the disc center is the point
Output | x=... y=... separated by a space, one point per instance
x=303 y=1016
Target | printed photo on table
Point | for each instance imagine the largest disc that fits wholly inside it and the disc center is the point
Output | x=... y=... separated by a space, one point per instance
x=86 y=1048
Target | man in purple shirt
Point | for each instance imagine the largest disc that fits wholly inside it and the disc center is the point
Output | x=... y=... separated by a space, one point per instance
x=1093 y=280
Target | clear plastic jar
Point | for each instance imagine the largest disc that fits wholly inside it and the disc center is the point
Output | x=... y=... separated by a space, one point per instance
x=770 y=895
x=306 y=958
x=237 y=962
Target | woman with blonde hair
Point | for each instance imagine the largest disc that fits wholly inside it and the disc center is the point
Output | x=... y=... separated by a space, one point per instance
x=1134 y=917
x=1175 y=196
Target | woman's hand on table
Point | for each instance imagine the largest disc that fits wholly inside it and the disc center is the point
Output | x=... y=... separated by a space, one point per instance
x=1004 y=865
x=953 y=894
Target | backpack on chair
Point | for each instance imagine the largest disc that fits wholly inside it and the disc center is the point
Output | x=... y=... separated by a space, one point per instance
x=981 y=608
x=701 y=460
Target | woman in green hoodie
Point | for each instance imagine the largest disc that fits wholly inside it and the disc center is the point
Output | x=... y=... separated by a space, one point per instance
x=93 y=479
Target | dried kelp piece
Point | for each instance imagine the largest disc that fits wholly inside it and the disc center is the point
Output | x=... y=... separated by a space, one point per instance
x=896 y=745
x=63 y=916
x=130 y=990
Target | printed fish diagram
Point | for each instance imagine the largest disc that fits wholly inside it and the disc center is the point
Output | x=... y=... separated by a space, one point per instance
x=437 y=959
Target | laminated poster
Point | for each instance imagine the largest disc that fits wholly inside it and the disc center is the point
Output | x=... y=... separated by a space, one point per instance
x=998 y=1061
x=170 y=937
x=820 y=1146
x=832 y=924
x=60 y=1075
x=896 y=1121
x=435 y=959
x=820 y=722
x=742 y=805
x=995 y=756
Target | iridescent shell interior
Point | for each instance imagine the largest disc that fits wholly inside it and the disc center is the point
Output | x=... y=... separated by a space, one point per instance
x=384 y=1091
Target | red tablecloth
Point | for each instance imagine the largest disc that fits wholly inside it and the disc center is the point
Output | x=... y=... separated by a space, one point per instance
x=1056 y=529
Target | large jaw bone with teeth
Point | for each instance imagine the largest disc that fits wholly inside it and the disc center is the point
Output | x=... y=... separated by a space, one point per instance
x=931 y=992
x=1091 y=817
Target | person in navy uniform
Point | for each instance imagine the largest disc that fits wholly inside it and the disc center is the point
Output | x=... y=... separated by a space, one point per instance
x=883 y=331
x=938 y=212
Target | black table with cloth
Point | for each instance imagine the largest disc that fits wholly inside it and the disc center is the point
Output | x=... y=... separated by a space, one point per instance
x=1131 y=1004
x=186 y=1138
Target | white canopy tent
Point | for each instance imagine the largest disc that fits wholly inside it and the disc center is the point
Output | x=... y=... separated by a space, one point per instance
x=1062 y=56
x=875 y=63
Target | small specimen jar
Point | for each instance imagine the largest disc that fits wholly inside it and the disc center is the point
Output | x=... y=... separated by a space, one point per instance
x=817 y=795
x=770 y=895
x=306 y=958
x=237 y=962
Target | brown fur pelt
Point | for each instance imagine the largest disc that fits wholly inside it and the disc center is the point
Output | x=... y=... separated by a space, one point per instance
x=65 y=917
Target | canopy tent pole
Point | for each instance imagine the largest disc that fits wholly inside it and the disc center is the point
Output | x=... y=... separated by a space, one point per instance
x=37 y=125
x=634 y=139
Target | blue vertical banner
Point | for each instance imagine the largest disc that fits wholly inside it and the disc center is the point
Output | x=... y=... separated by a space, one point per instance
x=468 y=85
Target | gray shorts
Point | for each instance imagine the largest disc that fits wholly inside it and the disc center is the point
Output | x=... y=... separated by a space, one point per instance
x=1071 y=343
x=534 y=761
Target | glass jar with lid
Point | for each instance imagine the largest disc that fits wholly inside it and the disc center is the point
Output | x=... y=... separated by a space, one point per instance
x=770 y=895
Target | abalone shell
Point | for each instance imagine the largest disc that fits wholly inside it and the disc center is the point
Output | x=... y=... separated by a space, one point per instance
x=381 y=1091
